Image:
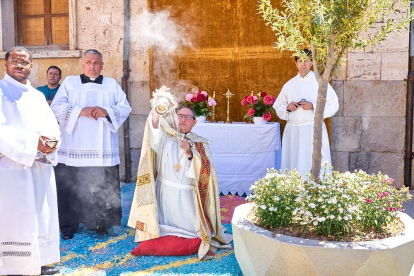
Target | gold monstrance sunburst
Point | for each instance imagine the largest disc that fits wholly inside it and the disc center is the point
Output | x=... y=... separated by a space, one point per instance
x=228 y=95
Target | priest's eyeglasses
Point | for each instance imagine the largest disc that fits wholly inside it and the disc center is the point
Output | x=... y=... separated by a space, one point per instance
x=184 y=117
x=24 y=63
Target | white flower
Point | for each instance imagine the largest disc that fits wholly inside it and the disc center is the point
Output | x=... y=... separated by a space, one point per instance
x=301 y=212
x=322 y=219
x=263 y=207
x=298 y=199
x=271 y=209
x=276 y=198
x=312 y=205
x=345 y=217
x=332 y=216
x=308 y=213
x=320 y=199
x=252 y=187
x=315 y=223
x=339 y=218
x=341 y=210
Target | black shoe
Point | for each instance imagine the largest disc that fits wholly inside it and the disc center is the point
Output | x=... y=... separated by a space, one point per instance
x=67 y=235
x=47 y=270
x=101 y=230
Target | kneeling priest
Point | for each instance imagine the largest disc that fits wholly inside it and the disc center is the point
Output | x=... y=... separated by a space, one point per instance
x=176 y=207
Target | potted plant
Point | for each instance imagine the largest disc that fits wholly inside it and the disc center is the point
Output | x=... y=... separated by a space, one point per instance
x=260 y=107
x=199 y=102
x=334 y=227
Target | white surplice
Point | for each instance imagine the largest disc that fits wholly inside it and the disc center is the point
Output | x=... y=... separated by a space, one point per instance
x=86 y=142
x=175 y=190
x=297 y=141
x=29 y=227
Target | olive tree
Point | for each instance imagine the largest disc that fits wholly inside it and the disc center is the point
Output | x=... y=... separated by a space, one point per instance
x=329 y=28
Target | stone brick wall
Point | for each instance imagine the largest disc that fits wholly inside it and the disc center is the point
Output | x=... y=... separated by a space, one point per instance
x=368 y=132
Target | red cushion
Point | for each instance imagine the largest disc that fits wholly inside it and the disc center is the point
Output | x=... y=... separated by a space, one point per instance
x=167 y=246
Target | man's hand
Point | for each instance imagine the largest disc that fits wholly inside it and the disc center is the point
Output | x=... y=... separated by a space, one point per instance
x=87 y=112
x=185 y=145
x=306 y=105
x=292 y=106
x=41 y=145
x=93 y=112
x=99 y=112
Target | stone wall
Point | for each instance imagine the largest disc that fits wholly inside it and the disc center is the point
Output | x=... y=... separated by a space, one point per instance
x=368 y=132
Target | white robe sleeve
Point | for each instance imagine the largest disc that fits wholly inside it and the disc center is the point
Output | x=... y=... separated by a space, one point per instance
x=66 y=113
x=332 y=103
x=156 y=135
x=50 y=128
x=281 y=104
x=119 y=111
x=17 y=144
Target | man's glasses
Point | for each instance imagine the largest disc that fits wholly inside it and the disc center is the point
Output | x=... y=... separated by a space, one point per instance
x=22 y=62
x=185 y=117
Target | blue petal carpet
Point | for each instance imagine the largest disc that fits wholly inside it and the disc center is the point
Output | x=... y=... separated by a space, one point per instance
x=92 y=254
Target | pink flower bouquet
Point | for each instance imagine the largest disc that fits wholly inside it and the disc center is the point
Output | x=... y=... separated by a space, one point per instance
x=199 y=102
x=259 y=106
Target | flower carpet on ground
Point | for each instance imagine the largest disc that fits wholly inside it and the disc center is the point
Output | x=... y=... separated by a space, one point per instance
x=92 y=254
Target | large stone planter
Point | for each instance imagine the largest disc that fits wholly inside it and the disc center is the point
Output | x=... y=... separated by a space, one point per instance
x=258 y=253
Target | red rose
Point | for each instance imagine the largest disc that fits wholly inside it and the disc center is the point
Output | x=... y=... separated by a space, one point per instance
x=250 y=99
x=194 y=99
x=267 y=116
x=263 y=94
x=251 y=112
x=268 y=100
x=244 y=102
x=201 y=97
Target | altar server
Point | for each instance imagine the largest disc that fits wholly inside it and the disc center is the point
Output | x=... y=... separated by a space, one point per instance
x=295 y=104
x=90 y=109
x=186 y=200
x=29 y=227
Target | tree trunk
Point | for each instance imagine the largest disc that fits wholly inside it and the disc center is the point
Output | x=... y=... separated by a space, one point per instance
x=317 y=129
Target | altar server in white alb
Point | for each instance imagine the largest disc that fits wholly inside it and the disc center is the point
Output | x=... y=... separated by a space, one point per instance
x=29 y=226
x=296 y=104
x=90 y=109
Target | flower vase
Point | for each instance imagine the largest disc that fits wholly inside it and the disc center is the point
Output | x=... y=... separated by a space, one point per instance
x=259 y=120
x=201 y=119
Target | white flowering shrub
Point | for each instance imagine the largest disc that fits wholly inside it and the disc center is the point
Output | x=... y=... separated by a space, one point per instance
x=343 y=204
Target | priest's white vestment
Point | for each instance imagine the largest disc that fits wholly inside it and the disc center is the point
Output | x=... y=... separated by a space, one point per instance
x=297 y=141
x=186 y=200
x=29 y=228
x=86 y=142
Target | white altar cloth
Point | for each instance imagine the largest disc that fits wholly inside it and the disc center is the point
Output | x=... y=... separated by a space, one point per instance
x=242 y=152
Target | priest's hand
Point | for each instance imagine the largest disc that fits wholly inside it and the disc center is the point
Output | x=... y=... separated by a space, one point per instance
x=99 y=112
x=87 y=112
x=185 y=145
x=306 y=105
x=292 y=106
x=41 y=145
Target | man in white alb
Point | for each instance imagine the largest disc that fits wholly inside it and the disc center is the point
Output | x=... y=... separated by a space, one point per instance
x=90 y=109
x=295 y=104
x=29 y=226
x=186 y=202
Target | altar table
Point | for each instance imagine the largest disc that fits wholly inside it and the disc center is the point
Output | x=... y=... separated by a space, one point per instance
x=242 y=152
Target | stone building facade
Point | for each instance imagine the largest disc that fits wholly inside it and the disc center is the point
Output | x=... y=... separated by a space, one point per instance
x=367 y=133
